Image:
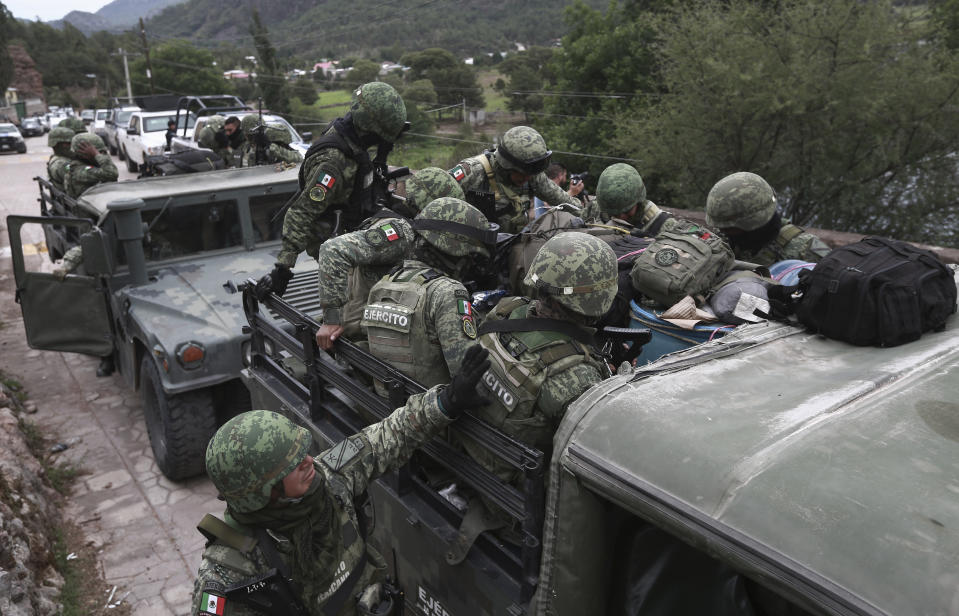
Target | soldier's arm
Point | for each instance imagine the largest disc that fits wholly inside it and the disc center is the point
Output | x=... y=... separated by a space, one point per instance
x=387 y=242
x=106 y=170
x=450 y=313
x=560 y=390
x=548 y=191
x=326 y=185
x=388 y=444
x=809 y=248
x=214 y=570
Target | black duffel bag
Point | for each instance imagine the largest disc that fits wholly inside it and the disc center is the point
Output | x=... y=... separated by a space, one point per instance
x=877 y=292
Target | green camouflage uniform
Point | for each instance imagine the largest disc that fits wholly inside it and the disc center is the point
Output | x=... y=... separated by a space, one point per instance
x=57 y=170
x=58 y=163
x=343 y=473
x=81 y=174
x=207 y=139
x=619 y=190
x=279 y=150
x=791 y=243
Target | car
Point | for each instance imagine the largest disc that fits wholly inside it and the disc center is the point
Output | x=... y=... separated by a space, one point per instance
x=146 y=135
x=157 y=302
x=11 y=140
x=116 y=126
x=88 y=116
x=31 y=127
x=771 y=471
x=99 y=125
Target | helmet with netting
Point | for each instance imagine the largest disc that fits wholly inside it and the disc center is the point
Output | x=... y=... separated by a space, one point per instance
x=58 y=135
x=248 y=124
x=74 y=124
x=81 y=138
x=429 y=184
x=456 y=228
x=278 y=132
x=378 y=109
x=251 y=453
x=742 y=200
x=523 y=149
x=578 y=271
x=620 y=187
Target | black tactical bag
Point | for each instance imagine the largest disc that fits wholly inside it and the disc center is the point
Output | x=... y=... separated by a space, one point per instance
x=877 y=292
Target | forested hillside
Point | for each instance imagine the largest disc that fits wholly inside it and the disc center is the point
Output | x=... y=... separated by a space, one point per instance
x=334 y=28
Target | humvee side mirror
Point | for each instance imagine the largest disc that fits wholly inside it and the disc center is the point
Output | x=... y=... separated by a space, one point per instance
x=97 y=258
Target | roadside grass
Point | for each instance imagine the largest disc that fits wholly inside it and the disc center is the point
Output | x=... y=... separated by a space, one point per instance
x=60 y=474
x=83 y=593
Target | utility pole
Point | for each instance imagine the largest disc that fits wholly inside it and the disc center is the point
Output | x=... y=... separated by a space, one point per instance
x=146 y=52
x=126 y=72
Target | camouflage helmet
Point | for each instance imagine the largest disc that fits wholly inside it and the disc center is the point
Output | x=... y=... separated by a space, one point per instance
x=429 y=184
x=742 y=200
x=456 y=228
x=216 y=122
x=620 y=187
x=523 y=149
x=578 y=270
x=251 y=453
x=379 y=109
x=81 y=138
x=249 y=123
x=74 y=124
x=279 y=133
x=58 y=135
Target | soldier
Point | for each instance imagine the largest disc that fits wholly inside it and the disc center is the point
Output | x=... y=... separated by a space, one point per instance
x=621 y=201
x=419 y=318
x=542 y=351
x=266 y=145
x=299 y=515
x=213 y=137
x=74 y=124
x=350 y=264
x=743 y=206
x=338 y=175
x=59 y=139
x=509 y=177
x=92 y=166
x=231 y=128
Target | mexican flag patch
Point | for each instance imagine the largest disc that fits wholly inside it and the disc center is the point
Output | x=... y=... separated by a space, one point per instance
x=327 y=180
x=390 y=232
x=212 y=604
x=464 y=307
x=458 y=173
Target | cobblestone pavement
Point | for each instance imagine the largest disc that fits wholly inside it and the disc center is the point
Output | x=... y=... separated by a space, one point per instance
x=143 y=524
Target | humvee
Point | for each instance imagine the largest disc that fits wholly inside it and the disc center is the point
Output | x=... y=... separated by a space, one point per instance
x=156 y=253
x=771 y=471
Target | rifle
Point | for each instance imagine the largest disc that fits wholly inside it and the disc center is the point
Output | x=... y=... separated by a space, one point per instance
x=613 y=340
x=260 y=142
x=269 y=593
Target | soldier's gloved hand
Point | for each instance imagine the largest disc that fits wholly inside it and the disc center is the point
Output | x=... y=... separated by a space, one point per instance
x=461 y=393
x=275 y=282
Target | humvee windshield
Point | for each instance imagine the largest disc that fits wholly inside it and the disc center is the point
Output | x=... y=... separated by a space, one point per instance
x=191 y=228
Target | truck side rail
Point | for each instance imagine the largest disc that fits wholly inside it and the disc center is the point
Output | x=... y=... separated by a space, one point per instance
x=525 y=506
x=50 y=196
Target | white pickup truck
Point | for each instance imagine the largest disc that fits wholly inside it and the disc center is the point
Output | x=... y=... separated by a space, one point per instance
x=300 y=142
x=146 y=135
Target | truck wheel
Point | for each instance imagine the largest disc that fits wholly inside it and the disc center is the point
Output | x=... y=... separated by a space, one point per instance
x=113 y=150
x=131 y=166
x=179 y=426
x=120 y=153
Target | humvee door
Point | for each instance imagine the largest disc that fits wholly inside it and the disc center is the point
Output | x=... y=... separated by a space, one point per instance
x=69 y=315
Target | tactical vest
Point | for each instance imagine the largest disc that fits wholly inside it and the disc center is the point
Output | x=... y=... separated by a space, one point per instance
x=520 y=362
x=57 y=170
x=509 y=208
x=396 y=326
x=776 y=250
x=653 y=219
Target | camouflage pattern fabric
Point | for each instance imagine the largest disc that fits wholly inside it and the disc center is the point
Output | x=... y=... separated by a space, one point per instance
x=207 y=139
x=343 y=473
x=740 y=200
x=620 y=188
x=451 y=209
x=378 y=109
x=82 y=174
x=578 y=271
x=274 y=154
x=429 y=184
x=59 y=134
x=523 y=149
x=350 y=265
x=329 y=184
x=513 y=202
x=791 y=243
x=74 y=124
x=278 y=133
x=57 y=170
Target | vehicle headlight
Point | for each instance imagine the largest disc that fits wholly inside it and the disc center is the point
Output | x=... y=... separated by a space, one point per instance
x=155 y=149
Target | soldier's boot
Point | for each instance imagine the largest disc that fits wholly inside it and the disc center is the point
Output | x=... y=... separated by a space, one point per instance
x=106 y=366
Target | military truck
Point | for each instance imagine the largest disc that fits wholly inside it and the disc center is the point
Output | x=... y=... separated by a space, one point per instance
x=769 y=472
x=150 y=291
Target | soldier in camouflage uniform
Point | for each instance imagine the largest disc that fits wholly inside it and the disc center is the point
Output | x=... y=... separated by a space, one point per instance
x=509 y=177
x=419 y=318
x=213 y=137
x=351 y=264
x=92 y=166
x=621 y=201
x=542 y=351
x=59 y=139
x=300 y=515
x=74 y=124
x=743 y=206
x=337 y=175
x=274 y=140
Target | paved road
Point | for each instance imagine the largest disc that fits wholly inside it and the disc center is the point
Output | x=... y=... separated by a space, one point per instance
x=144 y=523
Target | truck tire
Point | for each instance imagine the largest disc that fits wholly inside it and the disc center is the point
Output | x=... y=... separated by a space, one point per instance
x=179 y=426
x=131 y=166
x=113 y=150
x=120 y=153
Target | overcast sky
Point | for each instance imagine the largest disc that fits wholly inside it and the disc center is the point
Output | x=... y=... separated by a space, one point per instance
x=51 y=9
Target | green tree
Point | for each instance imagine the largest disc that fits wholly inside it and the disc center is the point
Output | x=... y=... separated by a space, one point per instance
x=364 y=71
x=846 y=108
x=269 y=79
x=181 y=68
x=420 y=95
x=305 y=90
x=6 y=64
x=528 y=72
x=452 y=79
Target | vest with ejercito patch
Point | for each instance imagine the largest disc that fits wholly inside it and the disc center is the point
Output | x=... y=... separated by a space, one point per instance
x=395 y=322
x=520 y=362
